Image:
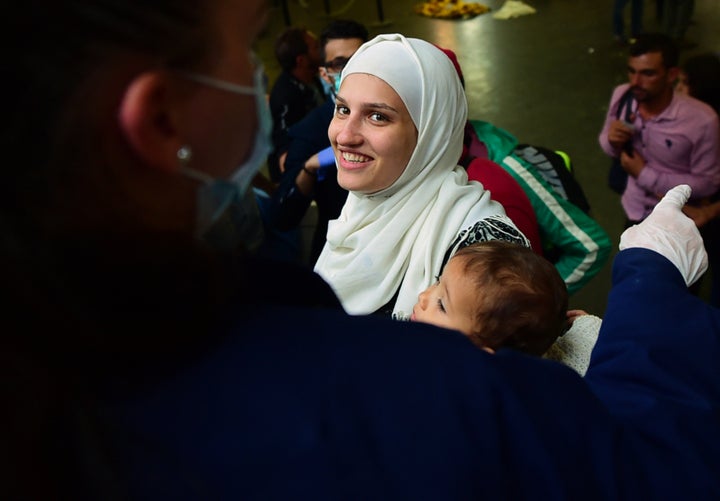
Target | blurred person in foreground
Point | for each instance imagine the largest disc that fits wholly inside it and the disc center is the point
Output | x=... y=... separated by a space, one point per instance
x=140 y=363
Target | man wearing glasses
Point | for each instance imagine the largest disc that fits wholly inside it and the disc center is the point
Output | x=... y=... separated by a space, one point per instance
x=308 y=175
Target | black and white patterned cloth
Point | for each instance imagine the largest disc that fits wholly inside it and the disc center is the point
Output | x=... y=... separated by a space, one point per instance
x=490 y=228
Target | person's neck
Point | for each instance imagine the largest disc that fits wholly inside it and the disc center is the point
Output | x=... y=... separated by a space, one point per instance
x=649 y=109
x=305 y=75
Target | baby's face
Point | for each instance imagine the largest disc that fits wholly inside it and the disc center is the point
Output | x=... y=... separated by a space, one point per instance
x=450 y=302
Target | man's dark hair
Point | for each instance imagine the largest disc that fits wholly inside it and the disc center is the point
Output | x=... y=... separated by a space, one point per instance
x=342 y=29
x=289 y=45
x=656 y=42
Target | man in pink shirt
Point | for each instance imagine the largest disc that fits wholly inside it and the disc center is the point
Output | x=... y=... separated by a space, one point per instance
x=662 y=139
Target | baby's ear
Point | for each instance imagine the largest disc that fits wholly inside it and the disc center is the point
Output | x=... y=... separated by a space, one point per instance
x=147 y=119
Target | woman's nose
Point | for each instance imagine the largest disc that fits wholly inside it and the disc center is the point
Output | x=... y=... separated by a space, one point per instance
x=348 y=133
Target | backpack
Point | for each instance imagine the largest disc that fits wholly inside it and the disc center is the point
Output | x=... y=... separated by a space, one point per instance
x=556 y=168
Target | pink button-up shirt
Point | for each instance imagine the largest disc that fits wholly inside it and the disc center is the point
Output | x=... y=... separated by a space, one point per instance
x=680 y=146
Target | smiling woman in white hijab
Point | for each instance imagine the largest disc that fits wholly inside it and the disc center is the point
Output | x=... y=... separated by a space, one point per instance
x=397 y=135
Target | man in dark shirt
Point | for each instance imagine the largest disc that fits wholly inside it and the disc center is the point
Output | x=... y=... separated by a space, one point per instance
x=296 y=92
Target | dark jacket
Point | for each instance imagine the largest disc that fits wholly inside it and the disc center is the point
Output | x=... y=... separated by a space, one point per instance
x=289 y=205
x=309 y=403
x=290 y=101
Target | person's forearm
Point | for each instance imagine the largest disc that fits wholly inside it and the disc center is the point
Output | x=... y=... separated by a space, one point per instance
x=305 y=180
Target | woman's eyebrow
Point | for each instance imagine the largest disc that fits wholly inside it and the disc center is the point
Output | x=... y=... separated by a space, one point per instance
x=374 y=106
x=381 y=106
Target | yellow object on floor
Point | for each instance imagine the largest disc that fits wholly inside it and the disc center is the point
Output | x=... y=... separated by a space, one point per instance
x=450 y=9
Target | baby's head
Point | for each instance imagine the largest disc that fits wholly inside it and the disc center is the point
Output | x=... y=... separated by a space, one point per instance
x=500 y=295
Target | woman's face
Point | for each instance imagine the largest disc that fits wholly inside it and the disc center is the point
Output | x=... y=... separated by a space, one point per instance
x=372 y=134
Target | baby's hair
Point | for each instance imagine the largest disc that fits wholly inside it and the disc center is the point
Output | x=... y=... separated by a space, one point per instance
x=521 y=298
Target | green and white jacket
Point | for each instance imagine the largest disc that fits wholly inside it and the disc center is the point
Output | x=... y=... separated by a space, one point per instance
x=580 y=243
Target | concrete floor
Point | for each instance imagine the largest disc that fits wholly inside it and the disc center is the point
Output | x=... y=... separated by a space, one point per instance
x=545 y=77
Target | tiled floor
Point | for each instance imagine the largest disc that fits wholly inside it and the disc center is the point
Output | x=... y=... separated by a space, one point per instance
x=545 y=77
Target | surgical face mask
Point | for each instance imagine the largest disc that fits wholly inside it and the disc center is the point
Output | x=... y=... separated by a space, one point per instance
x=216 y=195
x=332 y=89
x=328 y=88
x=337 y=83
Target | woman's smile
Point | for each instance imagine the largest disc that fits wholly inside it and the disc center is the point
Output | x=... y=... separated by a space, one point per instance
x=353 y=160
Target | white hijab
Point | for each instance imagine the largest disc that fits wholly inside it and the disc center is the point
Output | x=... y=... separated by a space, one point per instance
x=395 y=240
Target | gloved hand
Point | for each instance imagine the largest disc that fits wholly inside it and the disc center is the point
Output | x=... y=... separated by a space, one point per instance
x=671 y=233
x=326 y=158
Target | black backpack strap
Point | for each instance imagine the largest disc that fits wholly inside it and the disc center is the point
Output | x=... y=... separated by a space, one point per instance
x=617 y=177
x=624 y=109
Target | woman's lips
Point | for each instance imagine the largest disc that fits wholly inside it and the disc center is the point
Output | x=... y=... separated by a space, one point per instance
x=353 y=160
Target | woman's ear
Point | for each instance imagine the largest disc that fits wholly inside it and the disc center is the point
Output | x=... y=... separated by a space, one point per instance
x=149 y=121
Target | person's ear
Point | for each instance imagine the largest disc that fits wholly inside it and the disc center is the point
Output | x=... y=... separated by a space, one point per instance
x=324 y=75
x=149 y=122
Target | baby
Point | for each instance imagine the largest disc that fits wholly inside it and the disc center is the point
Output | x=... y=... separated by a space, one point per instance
x=500 y=295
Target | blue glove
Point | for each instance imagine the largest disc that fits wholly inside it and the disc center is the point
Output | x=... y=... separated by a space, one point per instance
x=326 y=158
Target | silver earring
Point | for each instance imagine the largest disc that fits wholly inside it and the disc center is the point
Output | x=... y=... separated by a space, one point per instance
x=184 y=154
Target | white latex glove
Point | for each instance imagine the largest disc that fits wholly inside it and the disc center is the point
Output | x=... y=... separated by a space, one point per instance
x=671 y=233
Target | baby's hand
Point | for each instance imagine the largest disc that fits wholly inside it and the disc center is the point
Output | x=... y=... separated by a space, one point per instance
x=572 y=315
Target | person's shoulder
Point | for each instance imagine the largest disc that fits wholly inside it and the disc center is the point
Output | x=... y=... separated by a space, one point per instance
x=498 y=142
x=286 y=84
x=322 y=333
x=693 y=108
x=281 y=81
x=619 y=91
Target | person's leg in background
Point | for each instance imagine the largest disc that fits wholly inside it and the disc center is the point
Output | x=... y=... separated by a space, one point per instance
x=619 y=21
x=636 y=18
x=669 y=16
x=685 y=12
x=676 y=19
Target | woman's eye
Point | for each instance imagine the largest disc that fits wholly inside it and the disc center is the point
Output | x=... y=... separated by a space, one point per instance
x=440 y=305
x=377 y=117
x=341 y=110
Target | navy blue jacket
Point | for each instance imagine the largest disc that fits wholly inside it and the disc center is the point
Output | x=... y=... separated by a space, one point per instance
x=309 y=403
